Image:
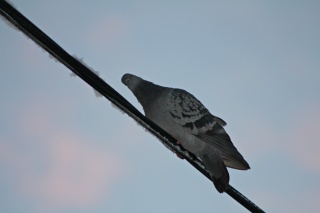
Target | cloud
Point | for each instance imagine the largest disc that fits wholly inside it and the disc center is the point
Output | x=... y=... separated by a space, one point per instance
x=78 y=174
x=107 y=31
x=54 y=166
x=304 y=138
x=298 y=139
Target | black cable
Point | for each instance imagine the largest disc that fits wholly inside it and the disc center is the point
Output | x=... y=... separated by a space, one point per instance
x=33 y=32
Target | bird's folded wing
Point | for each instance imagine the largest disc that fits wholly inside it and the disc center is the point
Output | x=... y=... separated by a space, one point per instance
x=220 y=140
x=190 y=113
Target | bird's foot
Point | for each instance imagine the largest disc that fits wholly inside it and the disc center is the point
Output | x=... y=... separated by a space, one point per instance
x=180 y=156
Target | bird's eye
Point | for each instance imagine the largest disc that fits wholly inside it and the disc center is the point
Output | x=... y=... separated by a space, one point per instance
x=127 y=81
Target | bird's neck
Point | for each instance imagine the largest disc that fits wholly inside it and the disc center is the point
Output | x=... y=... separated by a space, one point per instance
x=147 y=93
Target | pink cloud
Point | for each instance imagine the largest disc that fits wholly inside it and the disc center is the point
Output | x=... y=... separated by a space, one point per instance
x=297 y=142
x=304 y=138
x=73 y=173
x=78 y=174
x=108 y=30
x=300 y=140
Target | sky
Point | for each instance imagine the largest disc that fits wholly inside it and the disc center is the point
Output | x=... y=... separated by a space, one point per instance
x=256 y=64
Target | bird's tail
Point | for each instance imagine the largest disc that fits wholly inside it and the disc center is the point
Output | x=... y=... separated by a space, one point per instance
x=221 y=183
x=218 y=171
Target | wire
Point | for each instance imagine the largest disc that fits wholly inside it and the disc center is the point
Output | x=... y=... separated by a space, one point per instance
x=29 y=29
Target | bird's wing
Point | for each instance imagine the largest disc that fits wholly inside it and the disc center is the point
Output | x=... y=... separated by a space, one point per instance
x=221 y=141
x=190 y=113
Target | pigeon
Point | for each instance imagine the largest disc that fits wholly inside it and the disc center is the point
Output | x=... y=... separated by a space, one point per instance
x=185 y=118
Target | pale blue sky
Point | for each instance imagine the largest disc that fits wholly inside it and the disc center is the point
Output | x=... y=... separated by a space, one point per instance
x=256 y=64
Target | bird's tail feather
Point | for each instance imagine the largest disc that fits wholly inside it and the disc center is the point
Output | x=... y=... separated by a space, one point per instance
x=218 y=171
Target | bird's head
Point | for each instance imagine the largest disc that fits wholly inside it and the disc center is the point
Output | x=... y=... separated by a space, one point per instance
x=131 y=81
x=145 y=91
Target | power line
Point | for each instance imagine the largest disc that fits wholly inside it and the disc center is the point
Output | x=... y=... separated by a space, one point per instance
x=29 y=29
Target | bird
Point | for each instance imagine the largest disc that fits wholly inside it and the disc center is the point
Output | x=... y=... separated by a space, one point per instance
x=185 y=118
